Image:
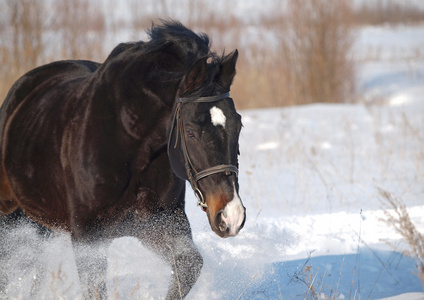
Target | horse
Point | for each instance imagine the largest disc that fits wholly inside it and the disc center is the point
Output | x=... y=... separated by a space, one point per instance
x=101 y=151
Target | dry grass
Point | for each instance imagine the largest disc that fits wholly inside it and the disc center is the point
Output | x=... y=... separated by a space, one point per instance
x=267 y=76
x=36 y=32
x=315 y=47
x=383 y=12
x=81 y=30
x=21 y=44
x=398 y=218
x=314 y=283
x=310 y=63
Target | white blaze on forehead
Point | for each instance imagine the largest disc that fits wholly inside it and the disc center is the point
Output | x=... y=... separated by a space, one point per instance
x=217 y=116
x=233 y=214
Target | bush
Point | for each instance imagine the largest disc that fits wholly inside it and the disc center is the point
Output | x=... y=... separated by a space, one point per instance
x=315 y=50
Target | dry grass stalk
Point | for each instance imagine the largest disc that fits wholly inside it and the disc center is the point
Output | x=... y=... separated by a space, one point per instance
x=247 y=286
x=135 y=289
x=4 y=293
x=176 y=271
x=312 y=281
x=399 y=219
x=115 y=287
x=59 y=284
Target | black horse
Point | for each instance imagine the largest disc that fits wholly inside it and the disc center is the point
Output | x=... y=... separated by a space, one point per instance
x=103 y=151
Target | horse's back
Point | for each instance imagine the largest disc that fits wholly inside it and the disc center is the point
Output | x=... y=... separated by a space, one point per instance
x=50 y=73
x=25 y=95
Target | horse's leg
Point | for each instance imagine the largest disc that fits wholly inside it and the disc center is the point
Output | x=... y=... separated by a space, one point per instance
x=169 y=235
x=91 y=261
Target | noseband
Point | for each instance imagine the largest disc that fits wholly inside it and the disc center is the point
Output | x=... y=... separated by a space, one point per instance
x=193 y=175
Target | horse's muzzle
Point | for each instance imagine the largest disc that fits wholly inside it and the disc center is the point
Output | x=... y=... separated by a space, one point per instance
x=226 y=226
x=226 y=212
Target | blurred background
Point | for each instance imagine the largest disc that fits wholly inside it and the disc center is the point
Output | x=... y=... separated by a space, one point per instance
x=316 y=179
x=292 y=52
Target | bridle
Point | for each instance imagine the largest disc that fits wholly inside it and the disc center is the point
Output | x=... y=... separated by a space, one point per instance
x=193 y=175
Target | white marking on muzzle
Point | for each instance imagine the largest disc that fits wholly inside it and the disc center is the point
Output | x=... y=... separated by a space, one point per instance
x=217 y=116
x=233 y=214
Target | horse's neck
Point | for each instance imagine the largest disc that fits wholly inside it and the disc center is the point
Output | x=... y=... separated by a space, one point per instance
x=135 y=118
x=141 y=108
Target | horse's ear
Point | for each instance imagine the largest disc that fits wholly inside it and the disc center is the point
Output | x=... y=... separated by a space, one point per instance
x=228 y=69
x=194 y=77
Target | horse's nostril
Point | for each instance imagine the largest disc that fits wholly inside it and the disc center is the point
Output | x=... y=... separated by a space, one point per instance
x=223 y=226
x=219 y=221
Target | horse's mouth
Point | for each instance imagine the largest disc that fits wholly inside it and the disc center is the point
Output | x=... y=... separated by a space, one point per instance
x=221 y=227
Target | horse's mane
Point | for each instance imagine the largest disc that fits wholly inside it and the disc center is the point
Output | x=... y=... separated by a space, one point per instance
x=196 y=45
x=190 y=45
x=172 y=36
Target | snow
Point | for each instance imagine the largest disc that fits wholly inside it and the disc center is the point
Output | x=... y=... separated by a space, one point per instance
x=310 y=179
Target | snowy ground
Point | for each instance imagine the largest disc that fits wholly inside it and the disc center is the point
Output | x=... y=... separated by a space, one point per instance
x=310 y=179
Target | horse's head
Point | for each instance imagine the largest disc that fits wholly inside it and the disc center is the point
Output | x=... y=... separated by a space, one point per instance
x=203 y=142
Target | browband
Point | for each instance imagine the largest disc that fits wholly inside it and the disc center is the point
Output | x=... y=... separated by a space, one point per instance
x=204 y=99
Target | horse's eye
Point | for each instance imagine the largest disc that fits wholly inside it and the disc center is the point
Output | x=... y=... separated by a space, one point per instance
x=190 y=133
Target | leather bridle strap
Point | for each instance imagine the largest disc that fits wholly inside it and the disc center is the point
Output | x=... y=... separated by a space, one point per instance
x=193 y=175
x=204 y=99
x=218 y=169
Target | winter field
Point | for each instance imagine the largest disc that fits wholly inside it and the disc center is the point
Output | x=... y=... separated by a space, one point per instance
x=311 y=179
